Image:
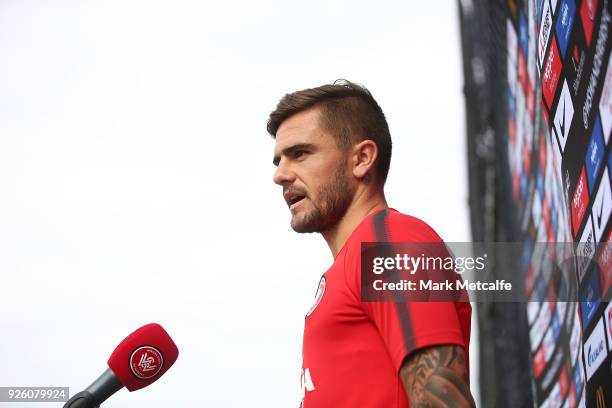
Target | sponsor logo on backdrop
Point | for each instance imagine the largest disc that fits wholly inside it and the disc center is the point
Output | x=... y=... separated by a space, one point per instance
x=595 y=351
x=552 y=71
x=538 y=363
x=563 y=116
x=554 y=398
x=608 y=319
x=539 y=5
x=570 y=402
x=523 y=34
x=551 y=369
x=602 y=206
x=522 y=71
x=557 y=157
x=605 y=103
x=575 y=338
x=579 y=201
x=538 y=329
x=532 y=311
x=545 y=28
x=586 y=249
x=565 y=21
x=600 y=49
x=512 y=44
x=563 y=381
x=531 y=43
x=556 y=327
x=605 y=264
x=595 y=155
x=536 y=211
x=588 y=9
x=589 y=298
x=578 y=63
x=578 y=375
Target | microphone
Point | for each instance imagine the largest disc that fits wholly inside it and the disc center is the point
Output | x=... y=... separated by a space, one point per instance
x=139 y=360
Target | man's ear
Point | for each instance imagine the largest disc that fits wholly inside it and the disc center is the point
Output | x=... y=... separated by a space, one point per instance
x=363 y=157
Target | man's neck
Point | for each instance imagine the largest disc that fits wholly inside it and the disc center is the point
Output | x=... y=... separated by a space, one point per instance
x=362 y=206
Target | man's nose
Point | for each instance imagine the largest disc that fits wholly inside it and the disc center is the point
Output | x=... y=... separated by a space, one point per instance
x=283 y=174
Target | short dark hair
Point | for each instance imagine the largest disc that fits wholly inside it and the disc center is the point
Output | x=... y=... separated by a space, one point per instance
x=347 y=110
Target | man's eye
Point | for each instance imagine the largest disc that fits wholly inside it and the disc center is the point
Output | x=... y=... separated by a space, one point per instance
x=299 y=154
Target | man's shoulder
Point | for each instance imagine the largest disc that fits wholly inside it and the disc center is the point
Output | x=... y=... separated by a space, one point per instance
x=390 y=225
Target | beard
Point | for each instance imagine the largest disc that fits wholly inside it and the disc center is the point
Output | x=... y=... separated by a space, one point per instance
x=334 y=198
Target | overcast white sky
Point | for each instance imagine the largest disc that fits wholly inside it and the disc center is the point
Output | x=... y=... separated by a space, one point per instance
x=136 y=179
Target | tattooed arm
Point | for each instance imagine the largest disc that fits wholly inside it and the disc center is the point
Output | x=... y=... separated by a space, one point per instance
x=437 y=377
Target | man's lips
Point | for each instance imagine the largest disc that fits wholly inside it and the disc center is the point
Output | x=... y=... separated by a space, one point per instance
x=293 y=198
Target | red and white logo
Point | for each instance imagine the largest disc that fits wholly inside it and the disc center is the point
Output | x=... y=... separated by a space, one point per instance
x=587 y=15
x=538 y=363
x=146 y=362
x=318 y=295
x=551 y=74
x=579 y=202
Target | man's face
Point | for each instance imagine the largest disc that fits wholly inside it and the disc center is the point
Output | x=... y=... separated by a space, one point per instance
x=313 y=172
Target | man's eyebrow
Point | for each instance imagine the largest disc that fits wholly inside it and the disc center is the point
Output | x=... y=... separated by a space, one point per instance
x=288 y=150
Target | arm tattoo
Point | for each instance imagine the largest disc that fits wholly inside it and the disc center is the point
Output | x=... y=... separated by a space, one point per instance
x=437 y=377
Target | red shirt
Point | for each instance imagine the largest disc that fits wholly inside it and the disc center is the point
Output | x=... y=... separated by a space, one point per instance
x=353 y=350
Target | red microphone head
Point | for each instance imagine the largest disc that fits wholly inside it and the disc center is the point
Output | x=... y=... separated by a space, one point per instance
x=143 y=356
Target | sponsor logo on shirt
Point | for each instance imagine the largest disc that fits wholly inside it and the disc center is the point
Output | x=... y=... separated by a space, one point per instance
x=595 y=349
x=318 y=295
x=306 y=384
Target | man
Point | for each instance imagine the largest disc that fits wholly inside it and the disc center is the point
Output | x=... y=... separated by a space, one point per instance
x=332 y=153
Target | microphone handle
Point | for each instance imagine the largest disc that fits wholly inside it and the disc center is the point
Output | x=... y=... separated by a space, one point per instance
x=94 y=395
x=83 y=399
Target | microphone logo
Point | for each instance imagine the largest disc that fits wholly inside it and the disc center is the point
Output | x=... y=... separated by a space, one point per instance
x=146 y=362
